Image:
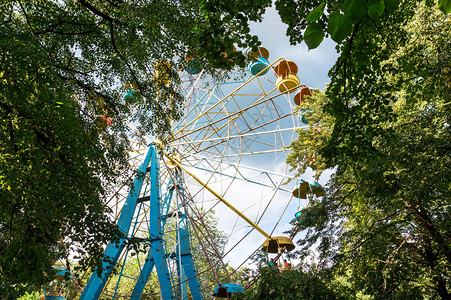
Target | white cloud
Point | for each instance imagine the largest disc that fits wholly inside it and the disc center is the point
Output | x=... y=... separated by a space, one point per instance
x=252 y=196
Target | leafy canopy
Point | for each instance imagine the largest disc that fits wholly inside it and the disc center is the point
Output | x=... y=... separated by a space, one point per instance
x=383 y=124
x=64 y=67
x=310 y=21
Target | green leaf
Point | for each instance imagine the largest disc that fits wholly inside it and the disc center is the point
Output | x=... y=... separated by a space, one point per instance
x=376 y=8
x=355 y=9
x=445 y=6
x=313 y=35
x=339 y=26
x=391 y=5
x=314 y=15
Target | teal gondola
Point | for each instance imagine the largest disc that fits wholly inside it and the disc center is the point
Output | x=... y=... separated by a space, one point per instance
x=192 y=66
x=259 y=61
x=316 y=189
x=224 y=290
x=302 y=117
x=128 y=96
x=258 y=66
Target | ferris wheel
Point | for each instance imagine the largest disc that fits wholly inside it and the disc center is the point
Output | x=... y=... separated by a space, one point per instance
x=223 y=165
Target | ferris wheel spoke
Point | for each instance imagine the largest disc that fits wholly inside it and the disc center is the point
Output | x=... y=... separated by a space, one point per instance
x=280 y=149
x=242 y=178
x=182 y=133
x=227 y=129
x=243 y=135
x=224 y=101
x=198 y=157
x=216 y=141
x=198 y=162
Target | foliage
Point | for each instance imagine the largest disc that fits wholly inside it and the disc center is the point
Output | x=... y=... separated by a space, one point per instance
x=30 y=296
x=64 y=68
x=310 y=21
x=309 y=141
x=383 y=226
x=292 y=284
x=66 y=64
x=207 y=247
x=131 y=270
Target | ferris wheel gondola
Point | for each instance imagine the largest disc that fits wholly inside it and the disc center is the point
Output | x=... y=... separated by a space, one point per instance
x=233 y=134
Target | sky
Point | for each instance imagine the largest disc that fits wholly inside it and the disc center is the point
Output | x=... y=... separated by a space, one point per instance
x=252 y=199
x=272 y=211
x=313 y=65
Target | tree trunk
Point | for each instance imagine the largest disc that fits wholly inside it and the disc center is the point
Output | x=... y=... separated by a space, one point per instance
x=425 y=222
x=441 y=288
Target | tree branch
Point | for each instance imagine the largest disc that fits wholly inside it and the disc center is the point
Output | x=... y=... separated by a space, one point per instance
x=98 y=12
x=49 y=29
x=88 y=88
x=26 y=18
x=424 y=221
x=113 y=42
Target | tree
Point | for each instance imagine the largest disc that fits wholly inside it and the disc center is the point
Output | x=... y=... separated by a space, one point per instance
x=66 y=64
x=292 y=284
x=64 y=68
x=311 y=21
x=207 y=247
x=383 y=123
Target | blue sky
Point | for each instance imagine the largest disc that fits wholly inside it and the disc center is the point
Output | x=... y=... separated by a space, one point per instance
x=252 y=199
x=313 y=65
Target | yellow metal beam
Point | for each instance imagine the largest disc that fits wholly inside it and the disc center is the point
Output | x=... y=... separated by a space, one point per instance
x=219 y=197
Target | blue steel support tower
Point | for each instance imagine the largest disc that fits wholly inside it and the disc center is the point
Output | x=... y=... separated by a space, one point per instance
x=184 y=261
x=157 y=255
